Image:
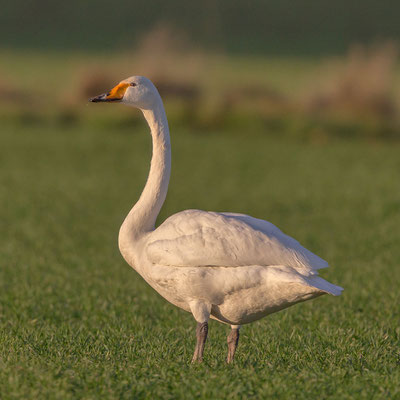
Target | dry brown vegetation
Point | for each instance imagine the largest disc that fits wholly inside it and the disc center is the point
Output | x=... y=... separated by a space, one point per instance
x=362 y=84
x=12 y=95
x=350 y=95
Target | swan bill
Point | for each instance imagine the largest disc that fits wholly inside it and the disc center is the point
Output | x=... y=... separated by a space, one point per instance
x=115 y=94
x=103 y=98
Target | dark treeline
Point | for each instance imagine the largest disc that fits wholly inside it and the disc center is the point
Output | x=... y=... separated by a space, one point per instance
x=259 y=26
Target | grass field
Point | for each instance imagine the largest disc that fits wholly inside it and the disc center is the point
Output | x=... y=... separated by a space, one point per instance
x=77 y=322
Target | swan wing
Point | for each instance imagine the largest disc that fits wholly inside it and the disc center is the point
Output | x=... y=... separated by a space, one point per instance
x=195 y=238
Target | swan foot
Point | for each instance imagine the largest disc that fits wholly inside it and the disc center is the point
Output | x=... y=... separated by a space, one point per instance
x=233 y=340
x=201 y=335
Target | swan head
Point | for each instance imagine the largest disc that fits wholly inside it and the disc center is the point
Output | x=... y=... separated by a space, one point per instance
x=136 y=91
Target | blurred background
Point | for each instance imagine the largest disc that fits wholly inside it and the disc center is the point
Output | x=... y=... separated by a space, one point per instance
x=311 y=69
x=285 y=110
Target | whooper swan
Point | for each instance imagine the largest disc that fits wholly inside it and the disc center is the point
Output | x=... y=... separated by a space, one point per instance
x=230 y=267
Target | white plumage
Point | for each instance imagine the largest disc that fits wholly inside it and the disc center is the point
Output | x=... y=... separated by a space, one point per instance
x=230 y=267
x=199 y=238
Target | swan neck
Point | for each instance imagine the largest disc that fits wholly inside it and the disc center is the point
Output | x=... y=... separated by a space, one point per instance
x=142 y=218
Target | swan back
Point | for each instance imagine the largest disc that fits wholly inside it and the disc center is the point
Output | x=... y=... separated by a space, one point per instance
x=200 y=238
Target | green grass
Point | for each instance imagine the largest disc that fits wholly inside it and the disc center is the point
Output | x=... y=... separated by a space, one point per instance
x=77 y=322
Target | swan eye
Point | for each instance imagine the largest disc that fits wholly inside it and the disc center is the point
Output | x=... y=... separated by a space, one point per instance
x=133 y=84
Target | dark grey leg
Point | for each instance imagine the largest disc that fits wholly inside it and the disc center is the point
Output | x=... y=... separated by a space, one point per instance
x=201 y=334
x=233 y=340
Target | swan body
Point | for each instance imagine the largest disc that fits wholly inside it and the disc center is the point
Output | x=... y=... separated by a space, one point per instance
x=244 y=267
x=230 y=267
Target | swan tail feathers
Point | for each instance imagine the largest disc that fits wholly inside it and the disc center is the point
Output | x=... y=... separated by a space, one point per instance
x=324 y=285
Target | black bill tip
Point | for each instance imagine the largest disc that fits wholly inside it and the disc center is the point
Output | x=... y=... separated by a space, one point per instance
x=98 y=99
x=104 y=98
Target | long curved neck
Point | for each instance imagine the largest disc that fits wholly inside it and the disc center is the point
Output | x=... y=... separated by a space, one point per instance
x=141 y=219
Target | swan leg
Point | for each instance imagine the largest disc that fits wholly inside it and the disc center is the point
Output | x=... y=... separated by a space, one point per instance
x=201 y=335
x=233 y=340
x=201 y=312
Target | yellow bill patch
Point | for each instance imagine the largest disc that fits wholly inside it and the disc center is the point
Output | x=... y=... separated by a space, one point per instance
x=117 y=92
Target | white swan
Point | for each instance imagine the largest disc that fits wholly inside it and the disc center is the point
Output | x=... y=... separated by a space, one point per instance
x=230 y=267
